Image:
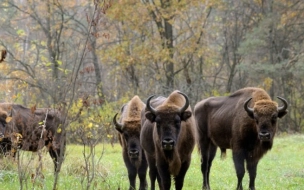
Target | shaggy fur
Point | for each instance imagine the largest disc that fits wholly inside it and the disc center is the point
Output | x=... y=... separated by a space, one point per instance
x=25 y=123
x=168 y=123
x=128 y=128
x=223 y=122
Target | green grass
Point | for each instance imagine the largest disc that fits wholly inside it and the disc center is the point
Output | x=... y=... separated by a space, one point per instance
x=280 y=169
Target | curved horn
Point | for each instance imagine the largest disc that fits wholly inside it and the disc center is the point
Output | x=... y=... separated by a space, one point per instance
x=186 y=104
x=118 y=126
x=248 y=109
x=149 y=108
x=284 y=107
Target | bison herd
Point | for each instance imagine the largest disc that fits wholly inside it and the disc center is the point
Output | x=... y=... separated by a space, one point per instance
x=162 y=134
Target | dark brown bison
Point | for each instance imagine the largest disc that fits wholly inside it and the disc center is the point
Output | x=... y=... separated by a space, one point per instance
x=30 y=129
x=245 y=121
x=168 y=138
x=129 y=127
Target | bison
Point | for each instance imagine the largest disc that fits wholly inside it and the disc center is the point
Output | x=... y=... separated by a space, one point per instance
x=31 y=129
x=168 y=138
x=129 y=127
x=245 y=121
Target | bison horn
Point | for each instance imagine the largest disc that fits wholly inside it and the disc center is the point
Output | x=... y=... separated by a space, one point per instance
x=284 y=107
x=248 y=109
x=186 y=104
x=149 y=108
x=118 y=126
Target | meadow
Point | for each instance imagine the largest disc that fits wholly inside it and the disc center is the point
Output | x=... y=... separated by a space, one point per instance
x=280 y=169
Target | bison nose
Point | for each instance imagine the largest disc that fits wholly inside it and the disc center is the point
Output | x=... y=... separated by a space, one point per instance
x=168 y=144
x=264 y=136
x=134 y=153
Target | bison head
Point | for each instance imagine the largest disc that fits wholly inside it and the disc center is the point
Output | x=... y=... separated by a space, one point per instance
x=130 y=131
x=168 y=122
x=265 y=114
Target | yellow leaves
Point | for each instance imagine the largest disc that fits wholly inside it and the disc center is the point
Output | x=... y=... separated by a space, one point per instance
x=267 y=83
x=58 y=130
x=8 y=119
x=21 y=33
x=90 y=125
x=289 y=16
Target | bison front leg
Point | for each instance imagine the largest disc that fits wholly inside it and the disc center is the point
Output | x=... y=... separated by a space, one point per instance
x=252 y=170
x=163 y=170
x=142 y=171
x=132 y=172
x=132 y=178
x=153 y=173
x=179 y=179
x=238 y=159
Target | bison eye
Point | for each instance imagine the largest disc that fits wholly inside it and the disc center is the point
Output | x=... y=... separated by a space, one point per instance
x=178 y=124
x=273 y=119
x=126 y=136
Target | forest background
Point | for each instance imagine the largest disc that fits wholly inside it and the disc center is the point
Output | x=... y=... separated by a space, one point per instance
x=88 y=58
x=93 y=56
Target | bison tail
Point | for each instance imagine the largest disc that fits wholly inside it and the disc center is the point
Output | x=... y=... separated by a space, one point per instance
x=223 y=153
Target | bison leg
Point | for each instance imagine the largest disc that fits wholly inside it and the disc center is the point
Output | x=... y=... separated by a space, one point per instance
x=252 y=169
x=208 y=151
x=179 y=179
x=142 y=171
x=239 y=159
x=132 y=171
x=54 y=155
x=163 y=170
x=153 y=173
x=132 y=177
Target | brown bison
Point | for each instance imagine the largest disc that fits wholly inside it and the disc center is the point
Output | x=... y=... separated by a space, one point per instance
x=30 y=129
x=168 y=138
x=245 y=121
x=129 y=127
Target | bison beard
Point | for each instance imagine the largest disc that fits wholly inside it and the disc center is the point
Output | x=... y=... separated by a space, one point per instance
x=245 y=122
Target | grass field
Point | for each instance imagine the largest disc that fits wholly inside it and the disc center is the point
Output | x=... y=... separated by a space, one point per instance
x=281 y=169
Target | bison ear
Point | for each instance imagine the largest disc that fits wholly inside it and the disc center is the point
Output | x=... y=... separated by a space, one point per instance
x=150 y=116
x=186 y=115
x=282 y=113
